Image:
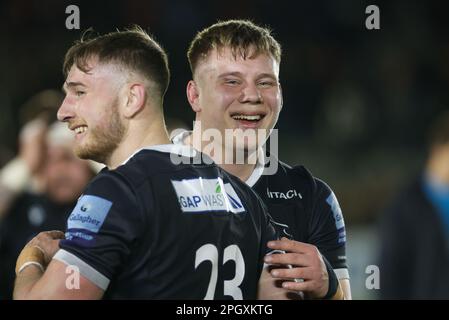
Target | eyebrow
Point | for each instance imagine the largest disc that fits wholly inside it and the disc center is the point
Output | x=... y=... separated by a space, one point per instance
x=71 y=85
x=267 y=75
x=239 y=74
x=235 y=73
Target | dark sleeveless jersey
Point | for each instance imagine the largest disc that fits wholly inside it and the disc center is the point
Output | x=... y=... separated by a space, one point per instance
x=155 y=228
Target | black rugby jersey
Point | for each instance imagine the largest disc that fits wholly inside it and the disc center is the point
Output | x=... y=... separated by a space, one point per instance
x=154 y=229
x=306 y=205
x=309 y=207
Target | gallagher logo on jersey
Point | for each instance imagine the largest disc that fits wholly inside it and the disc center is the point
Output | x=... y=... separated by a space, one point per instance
x=200 y=195
x=87 y=218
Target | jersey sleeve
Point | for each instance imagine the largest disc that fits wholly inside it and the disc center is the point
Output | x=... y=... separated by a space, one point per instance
x=327 y=228
x=102 y=229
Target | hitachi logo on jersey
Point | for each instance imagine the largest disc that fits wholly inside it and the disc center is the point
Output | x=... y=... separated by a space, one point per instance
x=281 y=195
x=199 y=195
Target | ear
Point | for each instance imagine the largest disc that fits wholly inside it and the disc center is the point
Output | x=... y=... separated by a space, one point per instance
x=193 y=96
x=136 y=100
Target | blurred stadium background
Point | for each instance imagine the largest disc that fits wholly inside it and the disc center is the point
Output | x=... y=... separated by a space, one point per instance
x=357 y=103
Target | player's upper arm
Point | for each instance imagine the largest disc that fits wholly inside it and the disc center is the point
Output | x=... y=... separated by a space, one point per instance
x=327 y=228
x=329 y=233
x=62 y=282
x=102 y=229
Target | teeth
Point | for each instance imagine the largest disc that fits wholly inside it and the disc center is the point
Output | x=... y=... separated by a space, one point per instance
x=80 y=129
x=245 y=117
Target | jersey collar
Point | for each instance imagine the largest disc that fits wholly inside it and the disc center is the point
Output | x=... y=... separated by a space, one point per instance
x=182 y=150
x=255 y=175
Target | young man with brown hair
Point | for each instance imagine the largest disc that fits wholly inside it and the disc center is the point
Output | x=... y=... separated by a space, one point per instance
x=235 y=92
x=145 y=227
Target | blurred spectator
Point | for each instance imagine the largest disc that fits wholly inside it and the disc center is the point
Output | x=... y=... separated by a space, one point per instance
x=5 y=155
x=42 y=105
x=24 y=172
x=61 y=180
x=415 y=229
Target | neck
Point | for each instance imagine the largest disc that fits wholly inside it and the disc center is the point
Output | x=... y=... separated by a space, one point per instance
x=139 y=135
x=242 y=171
x=438 y=165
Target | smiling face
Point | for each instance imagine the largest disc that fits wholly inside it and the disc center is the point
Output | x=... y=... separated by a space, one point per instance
x=236 y=93
x=92 y=110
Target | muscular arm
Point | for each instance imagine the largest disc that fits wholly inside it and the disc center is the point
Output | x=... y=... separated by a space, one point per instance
x=56 y=283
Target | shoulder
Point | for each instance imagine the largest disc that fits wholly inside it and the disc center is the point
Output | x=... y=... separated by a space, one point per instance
x=144 y=166
x=164 y=159
x=303 y=175
x=297 y=184
x=117 y=187
x=300 y=177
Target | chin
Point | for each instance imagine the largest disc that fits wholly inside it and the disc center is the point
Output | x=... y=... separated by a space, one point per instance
x=244 y=153
x=88 y=154
x=246 y=146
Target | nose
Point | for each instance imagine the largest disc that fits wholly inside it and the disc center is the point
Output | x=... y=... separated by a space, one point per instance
x=65 y=111
x=251 y=94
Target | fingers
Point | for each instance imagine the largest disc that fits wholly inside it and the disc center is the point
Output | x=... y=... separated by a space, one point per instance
x=301 y=280
x=294 y=259
x=47 y=242
x=291 y=246
x=304 y=261
x=55 y=234
x=293 y=273
x=306 y=286
x=49 y=235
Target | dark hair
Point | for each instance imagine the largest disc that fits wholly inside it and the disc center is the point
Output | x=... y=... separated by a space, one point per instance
x=243 y=37
x=133 y=49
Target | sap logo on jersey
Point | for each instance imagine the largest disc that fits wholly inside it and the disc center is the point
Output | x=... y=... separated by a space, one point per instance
x=89 y=213
x=199 y=195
